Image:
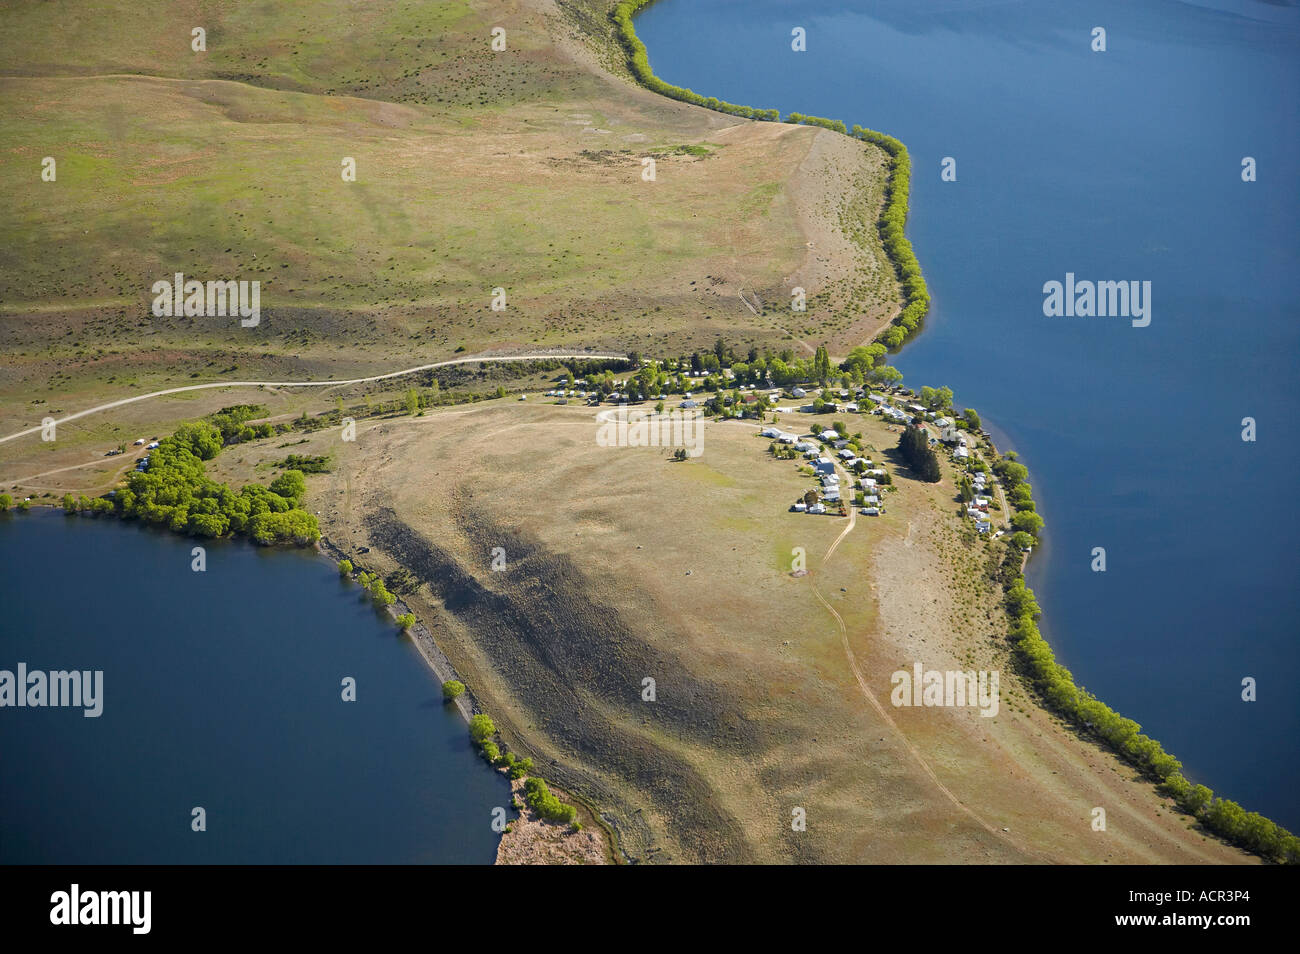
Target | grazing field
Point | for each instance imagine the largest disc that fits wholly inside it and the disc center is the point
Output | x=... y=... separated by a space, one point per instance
x=622 y=565
x=475 y=170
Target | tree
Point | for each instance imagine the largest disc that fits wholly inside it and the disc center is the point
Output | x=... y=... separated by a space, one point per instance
x=862 y=359
x=412 y=401
x=290 y=485
x=972 y=418
x=886 y=375
x=918 y=455
x=481 y=728
x=405 y=621
x=345 y=567
x=69 y=503
x=1028 y=522
x=822 y=365
x=810 y=497
x=1021 y=540
x=452 y=688
x=5 y=502
x=1013 y=473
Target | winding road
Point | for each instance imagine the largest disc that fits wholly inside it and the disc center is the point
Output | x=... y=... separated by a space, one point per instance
x=309 y=384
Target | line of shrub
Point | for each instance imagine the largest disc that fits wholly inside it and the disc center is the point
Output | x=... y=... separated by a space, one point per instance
x=1055 y=683
x=893 y=224
x=481 y=732
x=893 y=219
x=639 y=62
x=1226 y=818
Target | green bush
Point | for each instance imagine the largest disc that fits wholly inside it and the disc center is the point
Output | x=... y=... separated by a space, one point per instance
x=543 y=800
x=452 y=688
x=481 y=728
x=345 y=567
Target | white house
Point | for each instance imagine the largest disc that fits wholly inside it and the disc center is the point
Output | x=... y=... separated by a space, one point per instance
x=829 y=435
x=871 y=511
x=799 y=392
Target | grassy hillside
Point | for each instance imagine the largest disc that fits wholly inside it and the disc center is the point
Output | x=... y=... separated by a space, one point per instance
x=476 y=170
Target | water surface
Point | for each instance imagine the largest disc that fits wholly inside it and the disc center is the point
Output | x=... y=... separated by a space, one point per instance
x=222 y=689
x=1115 y=166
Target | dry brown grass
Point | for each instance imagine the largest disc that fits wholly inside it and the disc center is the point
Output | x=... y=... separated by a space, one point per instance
x=623 y=565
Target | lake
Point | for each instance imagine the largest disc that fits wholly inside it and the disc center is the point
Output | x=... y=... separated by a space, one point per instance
x=1123 y=165
x=222 y=690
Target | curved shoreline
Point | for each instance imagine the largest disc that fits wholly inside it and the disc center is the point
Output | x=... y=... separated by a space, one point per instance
x=1054 y=683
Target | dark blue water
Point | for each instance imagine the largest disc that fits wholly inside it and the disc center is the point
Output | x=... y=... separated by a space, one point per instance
x=1117 y=165
x=221 y=690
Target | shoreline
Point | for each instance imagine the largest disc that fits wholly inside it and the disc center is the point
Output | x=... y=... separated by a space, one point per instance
x=468 y=706
x=1051 y=679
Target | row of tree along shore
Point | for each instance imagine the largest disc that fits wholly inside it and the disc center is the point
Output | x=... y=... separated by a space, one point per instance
x=1055 y=683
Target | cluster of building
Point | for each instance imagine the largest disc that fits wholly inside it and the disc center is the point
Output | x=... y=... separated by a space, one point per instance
x=830 y=491
x=978 y=508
